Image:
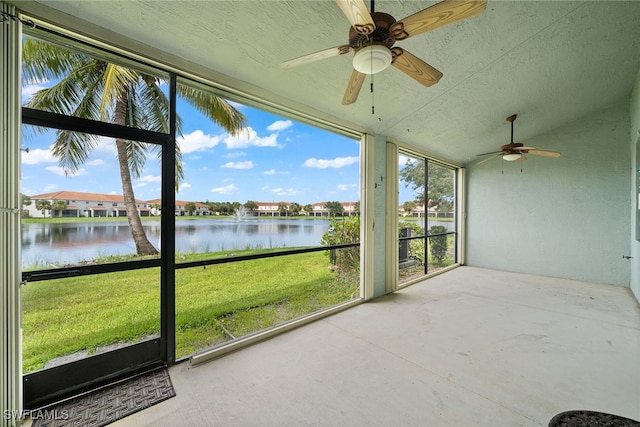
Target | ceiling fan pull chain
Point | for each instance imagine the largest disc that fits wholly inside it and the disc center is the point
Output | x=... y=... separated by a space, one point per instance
x=373 y=103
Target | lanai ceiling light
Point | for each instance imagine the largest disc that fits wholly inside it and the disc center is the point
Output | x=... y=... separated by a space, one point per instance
x=372 y=59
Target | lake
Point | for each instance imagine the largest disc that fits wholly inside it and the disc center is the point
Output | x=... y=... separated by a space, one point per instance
x=57 y=244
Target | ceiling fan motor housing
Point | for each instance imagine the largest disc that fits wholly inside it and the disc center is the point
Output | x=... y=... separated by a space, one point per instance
x=381 y=35
x=513 y=147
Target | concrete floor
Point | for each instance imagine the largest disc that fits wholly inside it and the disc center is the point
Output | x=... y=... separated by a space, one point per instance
x=471 y=347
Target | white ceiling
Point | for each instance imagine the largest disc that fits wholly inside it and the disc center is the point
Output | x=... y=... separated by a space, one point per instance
x=550 y=62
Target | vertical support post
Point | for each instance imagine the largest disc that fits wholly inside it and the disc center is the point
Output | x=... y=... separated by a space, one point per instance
x=460 y=214
x=373 y=208
x=10 y=204
x=167 y=237
x=426 y=216
x=392 y=256
x=367 y=189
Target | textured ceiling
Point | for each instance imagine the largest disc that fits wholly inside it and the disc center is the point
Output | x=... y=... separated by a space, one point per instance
x=550 y=62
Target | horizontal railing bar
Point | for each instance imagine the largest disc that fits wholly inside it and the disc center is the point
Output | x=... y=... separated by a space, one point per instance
x=85 y=270
x=448 y=233
x=234 y=258
x=34 y=117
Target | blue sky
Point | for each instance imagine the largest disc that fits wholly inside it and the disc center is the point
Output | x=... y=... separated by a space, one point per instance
x=274 y=159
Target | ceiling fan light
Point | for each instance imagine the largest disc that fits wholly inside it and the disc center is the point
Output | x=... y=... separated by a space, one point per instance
x=511 y=157
x=372 y=59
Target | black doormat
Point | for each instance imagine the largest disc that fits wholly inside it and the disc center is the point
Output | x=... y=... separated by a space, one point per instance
x=106 y=405
x=591 y=419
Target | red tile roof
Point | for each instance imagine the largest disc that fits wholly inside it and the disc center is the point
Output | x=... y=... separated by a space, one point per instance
x=76 y=195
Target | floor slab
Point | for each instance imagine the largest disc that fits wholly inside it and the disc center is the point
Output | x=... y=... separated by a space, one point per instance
x=469 y=347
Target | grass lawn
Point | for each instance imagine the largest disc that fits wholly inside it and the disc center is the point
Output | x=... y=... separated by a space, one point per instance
x=213 y=304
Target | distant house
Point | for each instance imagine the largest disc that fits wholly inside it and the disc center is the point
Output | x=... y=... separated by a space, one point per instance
x=201 y=208
x=269 y=209
x=84 y=205
x=319 y=209
x=418 y=211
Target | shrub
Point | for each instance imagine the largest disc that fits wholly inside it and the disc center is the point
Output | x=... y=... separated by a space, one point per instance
x=438 y=244
x=341 y=231
x=416 y=246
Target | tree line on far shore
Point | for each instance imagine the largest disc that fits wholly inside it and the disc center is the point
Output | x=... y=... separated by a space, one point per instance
x=334 y=208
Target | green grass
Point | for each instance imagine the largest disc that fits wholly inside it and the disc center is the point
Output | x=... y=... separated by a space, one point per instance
x=213 y=304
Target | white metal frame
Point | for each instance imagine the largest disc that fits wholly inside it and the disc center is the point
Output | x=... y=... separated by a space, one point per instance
x=10 y=347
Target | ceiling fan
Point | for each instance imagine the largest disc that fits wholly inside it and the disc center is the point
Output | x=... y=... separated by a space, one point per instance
x=516 y=151
x=372 y=36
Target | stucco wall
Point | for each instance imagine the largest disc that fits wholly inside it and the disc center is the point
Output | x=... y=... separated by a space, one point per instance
x=562 y=217
x=635 y=138
x=379 y=175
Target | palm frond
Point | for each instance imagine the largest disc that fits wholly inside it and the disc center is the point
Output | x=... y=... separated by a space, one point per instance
x=117 y=82
x=155 y=114
x=214 y=107
x=72 y=149
x=179 y=172
x=44 y=61
x=72 y=94
x=136 y=157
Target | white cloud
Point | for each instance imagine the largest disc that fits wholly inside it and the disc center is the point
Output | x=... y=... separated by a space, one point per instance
x=270 y=172
x=30 y=89
x=96 y=162
x=279 y=125
x=238 y=165
x=345 y=187
x=61 y=171
x=49 y=188
x=338 y=162
x=150 y=178
x=237 y=105
x=235 y=154
x=33 y=157
x=185 y=185
x=249 y=138
x=197 y=141
x=285 y=191
x=225 y=190
x=107 y=145
x=403 y=160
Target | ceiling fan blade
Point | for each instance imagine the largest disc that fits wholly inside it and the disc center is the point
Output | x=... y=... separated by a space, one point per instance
x=438 y=15
x=415 y=67
x=358 y=15
x=353 y=87
x=544 y=153
x=490 y=158
x=522 y=158
x=485 y=154
x=312 y=57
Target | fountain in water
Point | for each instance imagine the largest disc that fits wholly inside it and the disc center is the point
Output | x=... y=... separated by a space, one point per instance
x=240 y=213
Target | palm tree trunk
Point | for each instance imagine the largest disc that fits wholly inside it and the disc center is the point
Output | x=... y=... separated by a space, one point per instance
x=143 y=246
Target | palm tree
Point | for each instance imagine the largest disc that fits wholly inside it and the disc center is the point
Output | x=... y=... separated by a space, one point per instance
x=43 y=205
x=58 y=206
x=335 y=208
x=98 y=90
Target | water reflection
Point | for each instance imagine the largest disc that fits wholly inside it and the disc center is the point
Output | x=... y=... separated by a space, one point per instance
x=69 y=243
